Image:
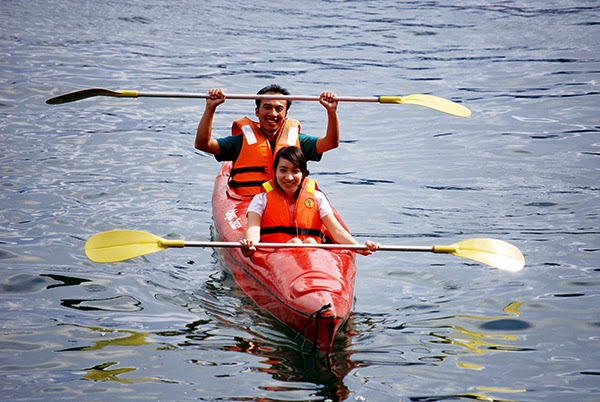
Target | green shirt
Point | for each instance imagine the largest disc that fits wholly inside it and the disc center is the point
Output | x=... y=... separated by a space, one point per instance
x=231 y=146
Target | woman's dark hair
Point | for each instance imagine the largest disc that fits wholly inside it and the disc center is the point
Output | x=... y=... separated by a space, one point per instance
x=295 y=156
x=277 y=89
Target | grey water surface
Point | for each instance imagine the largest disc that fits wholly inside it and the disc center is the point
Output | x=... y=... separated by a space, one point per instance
x=523 y=168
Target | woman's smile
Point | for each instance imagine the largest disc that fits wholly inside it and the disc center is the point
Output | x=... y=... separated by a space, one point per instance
x=288 y=177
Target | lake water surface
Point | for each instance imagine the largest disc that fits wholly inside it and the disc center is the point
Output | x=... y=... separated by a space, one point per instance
x=173 y=326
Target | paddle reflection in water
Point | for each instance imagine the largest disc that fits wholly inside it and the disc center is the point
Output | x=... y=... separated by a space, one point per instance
x=101 y=372
x=283 y=363
x=119 y=339
x=423 y=347
x=283 y=359
x=454 y=330
x=230 y=322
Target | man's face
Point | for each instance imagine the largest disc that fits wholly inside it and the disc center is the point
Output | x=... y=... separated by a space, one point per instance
x=271 y=115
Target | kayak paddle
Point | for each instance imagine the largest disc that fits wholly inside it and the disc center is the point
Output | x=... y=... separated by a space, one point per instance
x=120 y=245
x=430 y=101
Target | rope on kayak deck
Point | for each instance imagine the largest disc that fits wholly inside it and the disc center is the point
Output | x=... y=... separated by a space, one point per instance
x=316 y=315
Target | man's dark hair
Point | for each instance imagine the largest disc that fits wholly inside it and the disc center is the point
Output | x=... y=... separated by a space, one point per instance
x=274 y=88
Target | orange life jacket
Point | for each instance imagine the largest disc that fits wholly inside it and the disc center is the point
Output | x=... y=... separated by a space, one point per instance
x=278 y=225
x=254 y=164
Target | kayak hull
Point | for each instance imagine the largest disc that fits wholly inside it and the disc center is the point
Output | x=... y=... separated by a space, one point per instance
x=311 y=291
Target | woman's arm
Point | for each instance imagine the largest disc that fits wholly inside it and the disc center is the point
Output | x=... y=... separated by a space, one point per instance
x=252 y=234
x=342 y=236
x=338 y=232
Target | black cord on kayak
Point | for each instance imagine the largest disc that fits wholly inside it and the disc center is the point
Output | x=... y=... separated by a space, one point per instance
x=317 y=315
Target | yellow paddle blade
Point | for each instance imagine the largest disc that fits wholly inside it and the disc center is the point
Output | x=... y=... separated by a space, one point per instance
x=495 y=253
x=120 y=245
x=430 y=101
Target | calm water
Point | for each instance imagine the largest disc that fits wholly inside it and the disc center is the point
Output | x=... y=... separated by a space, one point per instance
x=172 y=326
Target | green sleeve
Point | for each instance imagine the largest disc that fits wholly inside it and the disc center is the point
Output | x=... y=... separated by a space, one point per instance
x=309 y=147
x=229 y=148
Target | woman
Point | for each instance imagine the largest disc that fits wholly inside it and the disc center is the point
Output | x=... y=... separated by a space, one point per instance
x=292 y=209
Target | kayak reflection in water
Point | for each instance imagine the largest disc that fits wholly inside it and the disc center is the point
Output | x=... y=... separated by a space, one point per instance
x=293 y=210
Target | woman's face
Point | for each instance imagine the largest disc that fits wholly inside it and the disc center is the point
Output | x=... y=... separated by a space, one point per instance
x=288 y=176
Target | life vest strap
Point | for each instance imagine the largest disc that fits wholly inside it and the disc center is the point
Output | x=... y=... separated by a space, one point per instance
x=292 y=231
x=238 y=184
x=259 y=169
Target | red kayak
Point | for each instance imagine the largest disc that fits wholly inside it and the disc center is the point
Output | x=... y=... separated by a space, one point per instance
x=310 y=290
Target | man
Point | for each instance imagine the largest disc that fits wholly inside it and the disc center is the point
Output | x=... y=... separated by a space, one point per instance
x=253 y=145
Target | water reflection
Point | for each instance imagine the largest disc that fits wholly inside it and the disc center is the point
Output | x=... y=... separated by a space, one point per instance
x=283 y=356
x=473 y=341
x=280 y=356
x=478 y=396
x=234 y=324
x=117 y=303
x=285 y=364
x=28 y=283
x=132 y=338
x=294 y=366
x=64 y=280
x=101 y=372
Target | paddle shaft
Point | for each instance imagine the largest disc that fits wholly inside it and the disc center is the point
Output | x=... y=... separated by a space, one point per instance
x=250 y=97
x=181 y=243
x=430 y=101
x=120 y=245
x=126 y=93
